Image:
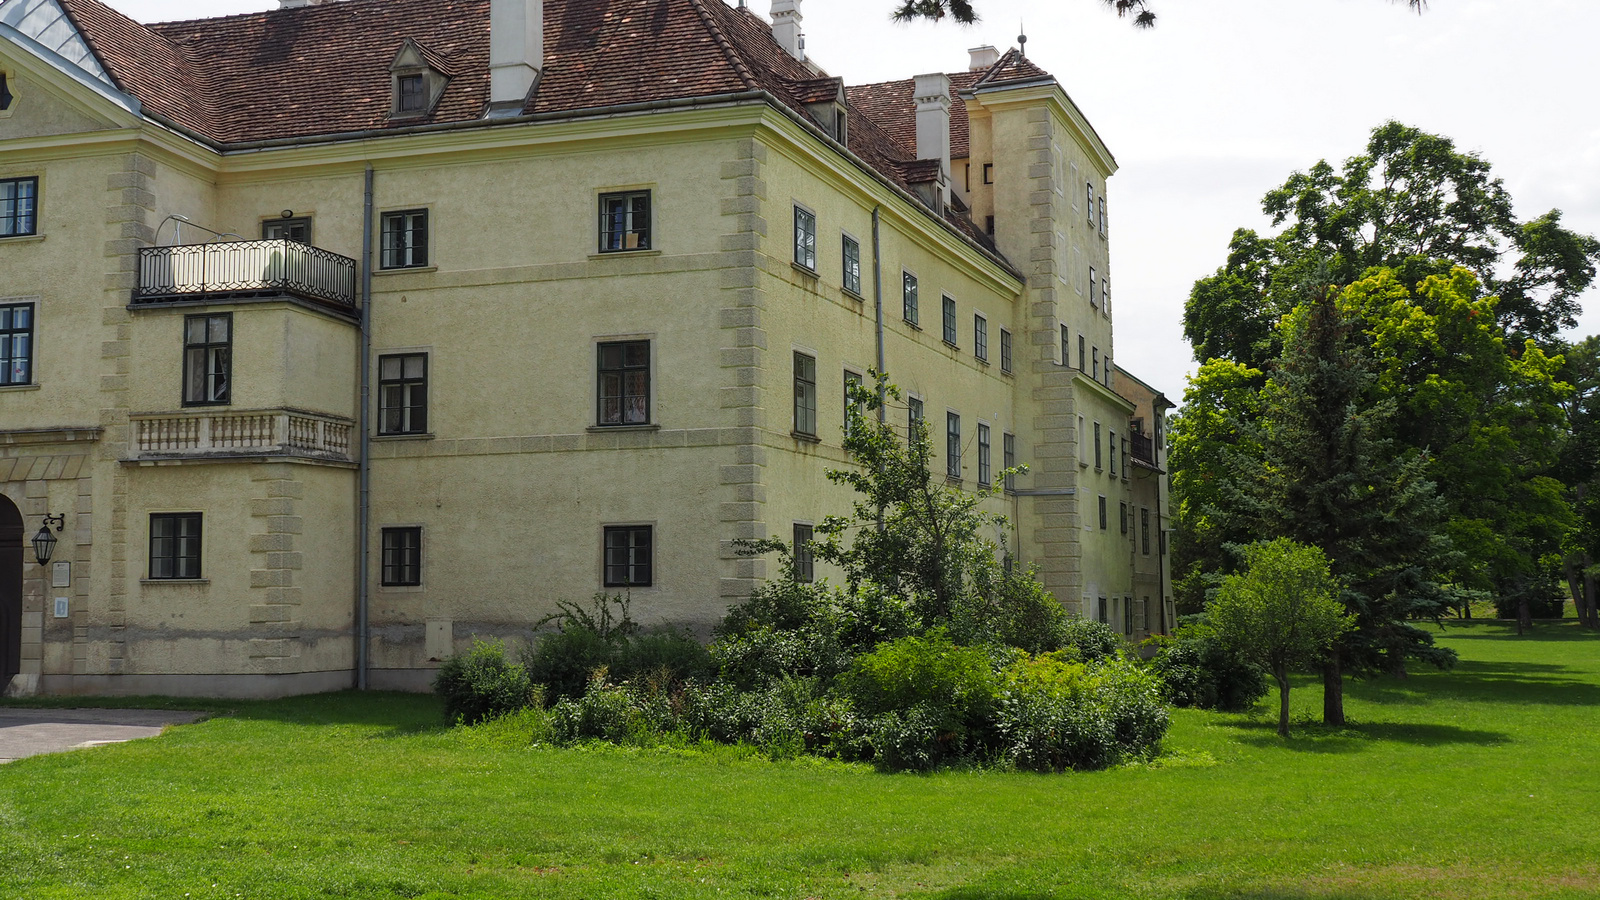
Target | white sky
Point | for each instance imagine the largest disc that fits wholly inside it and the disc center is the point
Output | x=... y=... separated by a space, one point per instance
x=1224 y=98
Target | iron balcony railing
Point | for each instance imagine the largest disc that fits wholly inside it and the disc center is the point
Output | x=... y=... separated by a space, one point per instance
x=245 y=268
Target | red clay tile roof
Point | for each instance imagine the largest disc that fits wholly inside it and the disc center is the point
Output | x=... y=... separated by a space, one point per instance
x=1013 y=66
x=324 y=70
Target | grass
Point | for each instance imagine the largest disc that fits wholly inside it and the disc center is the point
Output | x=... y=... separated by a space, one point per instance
x=1476 y=783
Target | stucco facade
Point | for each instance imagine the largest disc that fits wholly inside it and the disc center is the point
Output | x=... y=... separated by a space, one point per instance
x=519 y=471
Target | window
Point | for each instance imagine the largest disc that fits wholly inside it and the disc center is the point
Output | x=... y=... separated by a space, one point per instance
x=207 y=358
x=852 y=265
x=19 y=206
x=1111 y=444
x=851 y=382
x=413 y=93
x=405 y=239
x=1094 y=298
x=1083 y=442
x=1008 y=449
x=988 y=225
x=1122 y=513
x=1162 y=535
x=952 y=445
x=1124 y=459
x=805 y=394
x=913 y=415
x=1088 y=200
x=1102 y=512
x=628 y=556
x=1096 y=362
x=949 y=320
x=1066 y=357
x=5 y=93
x=1080 y=353
x=804 y=568
x=1144 y=531
x=1100 y=612
x=1108 y=370
x=1102 y=214
x=402 y=556
x=1105 y=294
x=1005 y=351
x=625 y=221
x=908 y=287
x=805 y=239
x=1097 y=446
x=292 y=229
x=1127 y=615
x=174 y=545
x=988 y=173
x=983 y=454
x=624 y=383
x=980 y=338
x=403 y=393
x=16 y=343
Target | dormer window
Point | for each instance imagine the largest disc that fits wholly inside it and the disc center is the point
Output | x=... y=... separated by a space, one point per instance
x=413 y=94
x=5 y=93
x=417 y=80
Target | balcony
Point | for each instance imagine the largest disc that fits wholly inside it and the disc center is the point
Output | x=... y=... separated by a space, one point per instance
x=1144 y=450
x=240 y=434
x=243 y=269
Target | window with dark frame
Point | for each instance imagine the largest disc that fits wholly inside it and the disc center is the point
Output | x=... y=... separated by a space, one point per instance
x=1105 y=294
x=805 y=239
x=913 y=415
x=988 y=173
x=403 y=393
x=1094 y=359
x=1094 y=298
x=908 y=296
x=804 y=563
x=1122 y=512
x=413 y=92
x=405 y=239
x=401 y=559
x=1008 y=450
x=805 y=394
x=174 y=545
x=984 y=472
x=1005 y=351
x=19 y=206
x=292 y=229
x=628 y=556
x=207 y=359
x=623 y=383
x=1097 y=457
x=1111 y=444
x=852 y=380
x=16 y=343
x=1144 y=530
x=1088 y=195
x=980 y=338
x=949 y=320
x=1102 y=214
x=1102 y=512
x=1080 y=353
x=852 y=265
x=624 y=221
x=5 y=93
x=1066 y=355
x=952 y=444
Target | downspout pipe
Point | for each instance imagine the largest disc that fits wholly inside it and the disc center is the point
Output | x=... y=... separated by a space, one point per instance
x=877 y=303
x=364 y=476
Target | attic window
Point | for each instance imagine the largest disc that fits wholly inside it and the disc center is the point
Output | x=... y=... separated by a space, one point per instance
x=412 y=93
x=416 y=82
x=841 y=124
x=5 y=93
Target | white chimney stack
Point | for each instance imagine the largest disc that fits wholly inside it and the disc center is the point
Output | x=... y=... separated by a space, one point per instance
x=982 y=58
x=786 y=27
x=932 y=95
x=516 y=53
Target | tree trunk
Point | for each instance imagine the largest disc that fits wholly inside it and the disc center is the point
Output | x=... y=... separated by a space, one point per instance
x=1282 y=675
x=1588 y=606
x=1333 y=692
x=1524 y=614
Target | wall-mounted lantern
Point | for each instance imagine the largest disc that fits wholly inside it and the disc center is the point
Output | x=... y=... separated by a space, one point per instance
x=44 y=543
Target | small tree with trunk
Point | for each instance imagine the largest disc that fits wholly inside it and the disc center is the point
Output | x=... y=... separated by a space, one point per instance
x=1281 y=613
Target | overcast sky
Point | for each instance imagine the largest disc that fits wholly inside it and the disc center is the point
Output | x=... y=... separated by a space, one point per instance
x=1224 y=98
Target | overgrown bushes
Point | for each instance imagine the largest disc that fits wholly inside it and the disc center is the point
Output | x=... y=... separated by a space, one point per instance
x=481 y=684
x=1195 y=670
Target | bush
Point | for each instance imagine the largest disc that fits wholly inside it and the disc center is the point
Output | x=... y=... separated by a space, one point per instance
x=1195 y=670
x=789 y=629
x=953 y=688
x=604 y=636
x=620 y=713
x=1055 y=714
x=1089 y=640
x=481 y=684
x=562 y=661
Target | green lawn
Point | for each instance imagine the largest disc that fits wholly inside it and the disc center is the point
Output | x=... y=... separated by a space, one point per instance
x=1474 y=783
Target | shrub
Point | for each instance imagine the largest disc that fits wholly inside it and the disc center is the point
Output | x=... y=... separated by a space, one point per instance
x=953 y=687
x=481 y=684
x=619 y=713
x=1195 y=670
x=1055 y=714
x=665 y=651
x=1089 y=640
x=906 y=739
x=562 y=661
x=603 y=635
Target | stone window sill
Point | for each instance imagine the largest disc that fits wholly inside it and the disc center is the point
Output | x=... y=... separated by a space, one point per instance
x=174 y=581
x=604 y=429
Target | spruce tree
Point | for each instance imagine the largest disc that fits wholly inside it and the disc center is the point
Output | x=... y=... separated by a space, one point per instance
x=1333 y=478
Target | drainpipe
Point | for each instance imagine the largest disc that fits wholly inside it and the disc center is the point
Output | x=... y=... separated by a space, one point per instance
x=877 y=302
x=364 y=478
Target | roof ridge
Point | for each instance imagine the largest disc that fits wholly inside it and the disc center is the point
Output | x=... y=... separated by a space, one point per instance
x=740 y=67
x=66 y=10
x=994 y=68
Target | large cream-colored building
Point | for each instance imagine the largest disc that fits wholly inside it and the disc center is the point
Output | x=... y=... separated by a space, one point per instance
x=342 y=333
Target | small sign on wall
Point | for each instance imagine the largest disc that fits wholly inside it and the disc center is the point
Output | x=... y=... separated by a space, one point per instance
x=61 y=574
x=61 y=607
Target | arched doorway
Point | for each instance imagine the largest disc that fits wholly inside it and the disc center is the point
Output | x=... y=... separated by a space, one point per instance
x=11 y=535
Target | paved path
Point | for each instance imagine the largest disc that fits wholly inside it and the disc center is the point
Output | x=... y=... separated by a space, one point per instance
x=29 y=732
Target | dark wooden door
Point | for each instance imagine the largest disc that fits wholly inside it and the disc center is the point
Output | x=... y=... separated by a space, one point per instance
x=11 y=534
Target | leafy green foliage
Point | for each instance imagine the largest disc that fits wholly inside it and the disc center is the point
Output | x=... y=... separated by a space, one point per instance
x=603 y=635
x=482 y=684
x=932 y=687
x=1280 y=613
x=1196 y=670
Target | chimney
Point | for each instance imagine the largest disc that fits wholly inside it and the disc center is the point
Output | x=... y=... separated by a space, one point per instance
x=933 y=124
x=296 y=4
x=516 y=53
x=786 y=27
x=982 y=58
